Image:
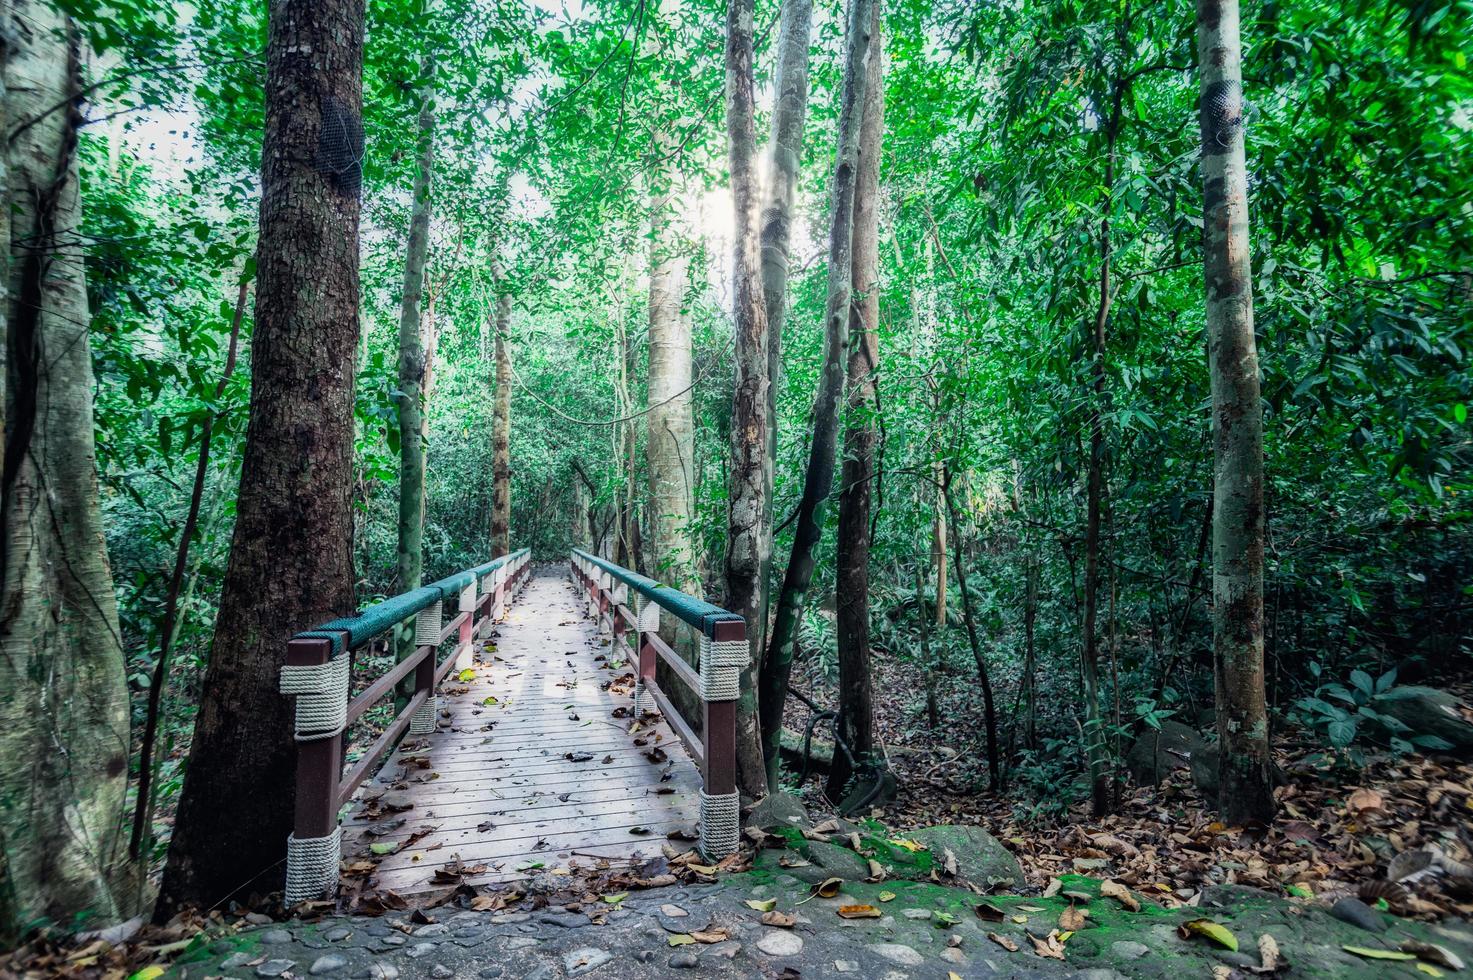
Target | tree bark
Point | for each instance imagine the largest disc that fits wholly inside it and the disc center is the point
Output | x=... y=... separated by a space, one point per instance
x=669 y=441
x=748 y=539
x=1094 y=734
x=818 y=478
x=856 y=693
x=1245 y=789
x=785 y=146
x=501 y=425
x=412 y=364
x=291 y=563
x=989 y=711
x=64 y=719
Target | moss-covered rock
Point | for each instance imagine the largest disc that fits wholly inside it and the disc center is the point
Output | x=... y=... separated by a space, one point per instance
x=778 y=811
x=980 y=857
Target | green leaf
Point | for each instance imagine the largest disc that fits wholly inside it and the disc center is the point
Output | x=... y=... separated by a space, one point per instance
x=1378 y=954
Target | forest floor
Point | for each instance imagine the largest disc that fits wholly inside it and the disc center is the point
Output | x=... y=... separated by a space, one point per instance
x=1338 y=828
x=1159 y=889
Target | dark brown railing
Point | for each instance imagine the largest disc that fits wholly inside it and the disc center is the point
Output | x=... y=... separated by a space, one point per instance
x=318 y=672
x=610 y=589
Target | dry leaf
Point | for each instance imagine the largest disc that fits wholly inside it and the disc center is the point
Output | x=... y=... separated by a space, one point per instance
x=709 y=936
x=1053 y=887
x=876 y=871
x=1117 y=891
x=762 y=904
x=990 y=913
x=858 y=912
x=780 y=919
x=1049 y=947
x=1004 y=942
x=828 y=888
x=1433 y=953
x=1364 y=800
x=1073 y=919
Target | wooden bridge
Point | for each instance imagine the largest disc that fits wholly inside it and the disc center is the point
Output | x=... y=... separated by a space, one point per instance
x=540 y=738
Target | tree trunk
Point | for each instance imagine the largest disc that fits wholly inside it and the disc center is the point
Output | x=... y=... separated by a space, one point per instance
x=785 y=147
x=670 y=437
x=748 y=540
x=64 y=723
x=856 y=693
x=291 y=563
x=501 y=426
x=1094 y=733
x=989 y=712
x=412 y=355
x=818 y=480
x=1246 y=789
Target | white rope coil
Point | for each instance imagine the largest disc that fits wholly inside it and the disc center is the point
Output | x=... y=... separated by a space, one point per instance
x=312 y=866
x=649 y=616
x=642 y=699
x=720 y=827
x=721 y=668
x=428 y=623
x=422 y=722
x=321 y=691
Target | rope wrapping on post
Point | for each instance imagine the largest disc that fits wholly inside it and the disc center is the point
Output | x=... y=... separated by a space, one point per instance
x=312 y=866
x=423 y=721
x=427 y=623
x=321 y=691
x=720 y=827
x=721 y=668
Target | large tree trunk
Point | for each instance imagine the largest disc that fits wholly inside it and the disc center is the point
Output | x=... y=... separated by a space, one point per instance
x=818 y=480
x=748 y=538
x=412 y=364
x=670 y=437
x=1246 y=789
x=501 y=426
x=64 y=722
x=856 y=693
x=291 y=562
x=785 y=148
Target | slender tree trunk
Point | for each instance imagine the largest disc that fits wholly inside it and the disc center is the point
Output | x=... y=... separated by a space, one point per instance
x=748 y=539
x=143 y=804
x=1030 y=650
x=412 y=354
x=1094 y=734
x=64 y=721
x=1246 y=788
x=989 y=711
x=501 y=425
x=856 y=693
x=670 y=438
x=818 y=480
x=291 y=563
x=785 y=146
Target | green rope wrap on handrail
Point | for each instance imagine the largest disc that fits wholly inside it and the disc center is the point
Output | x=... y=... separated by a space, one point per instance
x=697 y=613
x=384 y=616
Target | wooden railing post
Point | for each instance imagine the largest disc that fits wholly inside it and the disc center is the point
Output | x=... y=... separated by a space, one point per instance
x=314 y=848
x=464 y=642
x=648 y=619
x=723 y=655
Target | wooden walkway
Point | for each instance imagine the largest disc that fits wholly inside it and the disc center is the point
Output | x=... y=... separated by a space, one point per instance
x=533 y=766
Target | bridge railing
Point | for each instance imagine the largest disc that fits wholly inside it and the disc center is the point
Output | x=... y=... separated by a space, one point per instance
x=318 y=672
x=630 y=605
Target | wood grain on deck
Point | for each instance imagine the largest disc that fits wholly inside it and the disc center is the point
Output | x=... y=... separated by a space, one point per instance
x=505 y=783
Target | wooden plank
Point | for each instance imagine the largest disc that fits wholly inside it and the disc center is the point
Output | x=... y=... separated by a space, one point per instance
x=504 y=766
x=506 y=814
x=675 y=662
